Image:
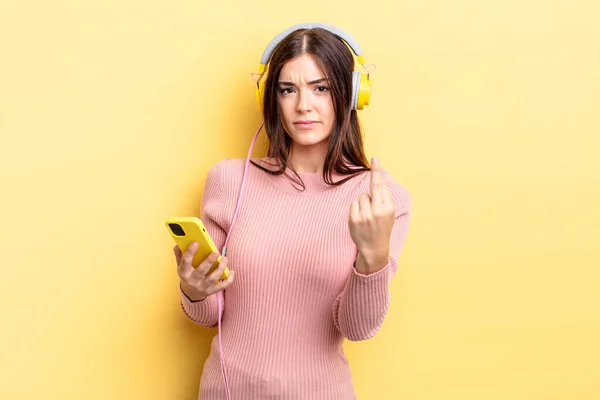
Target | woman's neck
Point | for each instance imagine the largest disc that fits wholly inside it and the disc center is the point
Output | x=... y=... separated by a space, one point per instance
x=308 y=159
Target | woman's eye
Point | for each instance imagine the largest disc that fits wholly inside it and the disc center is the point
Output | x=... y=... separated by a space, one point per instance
x=322 y=88
x=286 y=90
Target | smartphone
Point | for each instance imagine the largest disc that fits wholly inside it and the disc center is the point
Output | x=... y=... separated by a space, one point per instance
x=186 y=230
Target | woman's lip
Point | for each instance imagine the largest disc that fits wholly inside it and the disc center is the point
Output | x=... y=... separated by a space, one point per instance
x=305 y=124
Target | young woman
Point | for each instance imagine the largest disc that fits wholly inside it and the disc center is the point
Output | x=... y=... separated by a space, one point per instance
x=316 y=243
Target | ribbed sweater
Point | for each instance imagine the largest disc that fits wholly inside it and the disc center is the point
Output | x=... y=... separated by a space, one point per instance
x=296 y=294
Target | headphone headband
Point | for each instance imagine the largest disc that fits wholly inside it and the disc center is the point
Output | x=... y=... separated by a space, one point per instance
x=345 y=36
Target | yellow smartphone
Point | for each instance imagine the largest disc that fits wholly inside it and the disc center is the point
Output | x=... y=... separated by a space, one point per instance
x=186 y=230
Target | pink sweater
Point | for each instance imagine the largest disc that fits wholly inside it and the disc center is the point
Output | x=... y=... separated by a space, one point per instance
x=296 y=294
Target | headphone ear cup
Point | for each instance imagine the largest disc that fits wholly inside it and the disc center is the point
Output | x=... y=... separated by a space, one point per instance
x=363 y=97
x=260 y=95
x=355 y=89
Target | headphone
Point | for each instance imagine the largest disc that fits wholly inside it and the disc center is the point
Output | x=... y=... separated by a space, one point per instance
x=361 y=84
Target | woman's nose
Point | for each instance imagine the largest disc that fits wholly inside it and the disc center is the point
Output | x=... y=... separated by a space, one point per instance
x=304 y=102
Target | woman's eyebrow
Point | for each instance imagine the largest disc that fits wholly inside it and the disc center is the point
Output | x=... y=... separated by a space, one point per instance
x=310 y=83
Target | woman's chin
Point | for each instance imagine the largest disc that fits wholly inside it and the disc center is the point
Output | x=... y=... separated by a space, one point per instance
x=308 y=138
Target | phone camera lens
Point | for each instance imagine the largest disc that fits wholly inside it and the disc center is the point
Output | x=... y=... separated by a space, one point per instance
x=177 y=229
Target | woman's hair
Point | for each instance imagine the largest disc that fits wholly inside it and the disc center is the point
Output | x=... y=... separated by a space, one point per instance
x=345 y=154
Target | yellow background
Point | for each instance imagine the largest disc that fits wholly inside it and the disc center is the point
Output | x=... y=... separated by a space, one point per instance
x=112 y=112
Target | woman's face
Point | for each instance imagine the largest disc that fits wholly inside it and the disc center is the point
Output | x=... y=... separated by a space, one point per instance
x=305 y=101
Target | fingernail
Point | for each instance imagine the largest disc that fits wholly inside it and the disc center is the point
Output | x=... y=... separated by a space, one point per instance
x=376 y=161
x=193 y=246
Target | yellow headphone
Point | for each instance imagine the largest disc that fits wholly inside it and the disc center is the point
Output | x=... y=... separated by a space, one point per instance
x=361 y=84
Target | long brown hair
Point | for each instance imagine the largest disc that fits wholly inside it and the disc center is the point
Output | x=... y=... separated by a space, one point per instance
x=345 y=154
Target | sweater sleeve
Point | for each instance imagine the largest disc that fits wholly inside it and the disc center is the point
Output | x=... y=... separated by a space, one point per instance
x=361 y=307
x=205 y=313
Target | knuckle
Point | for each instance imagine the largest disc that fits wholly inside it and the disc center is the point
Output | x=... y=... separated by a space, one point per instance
x=208 y=261
x=356 y=220
x=217 y=272
x=209 y=279
x=211 y=258
x=185 y=279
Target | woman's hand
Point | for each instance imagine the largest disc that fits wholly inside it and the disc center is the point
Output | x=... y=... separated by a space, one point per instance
x=371 y=221
x=195 y=282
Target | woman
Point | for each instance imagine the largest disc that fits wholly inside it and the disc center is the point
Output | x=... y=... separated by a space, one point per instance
x=316 y=243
